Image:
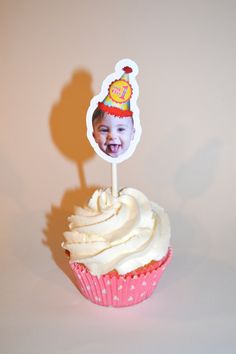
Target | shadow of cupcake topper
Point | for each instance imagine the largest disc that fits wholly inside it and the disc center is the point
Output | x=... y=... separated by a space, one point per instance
x=68 y=121
x=67 y=125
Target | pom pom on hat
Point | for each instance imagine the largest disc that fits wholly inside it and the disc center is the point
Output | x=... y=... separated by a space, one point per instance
x=128 y=69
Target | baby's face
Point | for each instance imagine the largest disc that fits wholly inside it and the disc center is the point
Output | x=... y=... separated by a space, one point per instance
x=113 y=134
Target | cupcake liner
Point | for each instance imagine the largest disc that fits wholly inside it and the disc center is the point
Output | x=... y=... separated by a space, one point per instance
x=119 y=290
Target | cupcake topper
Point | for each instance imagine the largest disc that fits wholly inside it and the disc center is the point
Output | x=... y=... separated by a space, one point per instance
x=113 y=126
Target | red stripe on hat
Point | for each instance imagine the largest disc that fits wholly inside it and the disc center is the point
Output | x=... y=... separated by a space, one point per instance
x=114 y=111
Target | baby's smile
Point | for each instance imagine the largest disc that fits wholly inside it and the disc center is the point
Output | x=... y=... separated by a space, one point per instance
x=113 y=148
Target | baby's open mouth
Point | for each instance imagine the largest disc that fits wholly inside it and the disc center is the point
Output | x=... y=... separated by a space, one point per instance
x=113 y=148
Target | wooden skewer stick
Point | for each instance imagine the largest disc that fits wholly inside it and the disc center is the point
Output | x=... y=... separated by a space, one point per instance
x=114 y=180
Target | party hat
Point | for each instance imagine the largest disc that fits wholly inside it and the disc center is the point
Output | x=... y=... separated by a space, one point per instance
x=117 y=102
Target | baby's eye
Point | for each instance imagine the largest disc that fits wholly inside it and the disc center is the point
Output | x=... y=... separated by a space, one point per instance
x=121 y=129
x=103 y=130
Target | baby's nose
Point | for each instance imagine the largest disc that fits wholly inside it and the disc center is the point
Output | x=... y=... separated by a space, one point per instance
x=112 y=136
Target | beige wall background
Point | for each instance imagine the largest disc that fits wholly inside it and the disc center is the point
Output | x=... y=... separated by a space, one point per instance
x=54 y=56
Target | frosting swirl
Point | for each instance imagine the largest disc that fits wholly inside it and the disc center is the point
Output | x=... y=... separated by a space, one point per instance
x=121 y=233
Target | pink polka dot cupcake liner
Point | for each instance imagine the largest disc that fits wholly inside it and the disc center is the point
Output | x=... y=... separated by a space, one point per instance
x=119 y=290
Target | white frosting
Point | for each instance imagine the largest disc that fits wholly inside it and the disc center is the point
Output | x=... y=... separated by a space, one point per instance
x=121 y=233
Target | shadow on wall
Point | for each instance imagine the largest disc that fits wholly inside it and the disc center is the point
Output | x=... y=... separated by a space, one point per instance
x=68 y=130
x=196 y=176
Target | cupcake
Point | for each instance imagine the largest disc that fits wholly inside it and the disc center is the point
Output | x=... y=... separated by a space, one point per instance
x=118 y=247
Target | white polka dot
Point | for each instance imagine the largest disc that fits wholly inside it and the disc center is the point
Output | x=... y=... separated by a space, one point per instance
x=132 y=287
x=135 y=277
x=155 y=275
x=88 y=287
x=104 y=291
x=154 y=283
x=79 y=276
x=163 y=268
x=115 y=298
x=120 y=287
x=144 y=283
x=108 y=282
x=142 y=295
x=130 y=298
x=97 y=298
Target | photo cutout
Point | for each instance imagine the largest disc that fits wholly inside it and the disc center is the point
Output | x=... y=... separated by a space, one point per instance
x=113 y=125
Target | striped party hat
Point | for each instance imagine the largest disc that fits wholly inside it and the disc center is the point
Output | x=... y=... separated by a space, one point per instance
x=117 y=102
